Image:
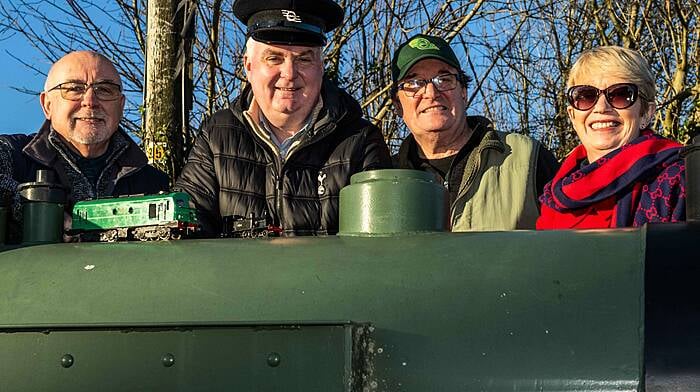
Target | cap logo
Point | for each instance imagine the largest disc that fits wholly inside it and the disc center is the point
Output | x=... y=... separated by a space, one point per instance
x=291 y=16
x=422 y=44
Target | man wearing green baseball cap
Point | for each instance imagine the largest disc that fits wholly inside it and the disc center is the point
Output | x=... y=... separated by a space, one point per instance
x=493 y=178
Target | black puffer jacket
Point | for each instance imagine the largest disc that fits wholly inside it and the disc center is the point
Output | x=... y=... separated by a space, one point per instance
x=233 y=171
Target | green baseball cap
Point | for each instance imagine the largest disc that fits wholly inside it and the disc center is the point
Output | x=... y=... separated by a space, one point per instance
x=421 y=47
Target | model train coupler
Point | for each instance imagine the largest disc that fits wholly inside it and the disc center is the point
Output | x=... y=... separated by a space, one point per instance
x=43 y=203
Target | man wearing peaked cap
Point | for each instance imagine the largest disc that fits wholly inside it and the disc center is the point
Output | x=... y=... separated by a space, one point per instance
x=291 y=139
x=493 y=178
x=289 y=22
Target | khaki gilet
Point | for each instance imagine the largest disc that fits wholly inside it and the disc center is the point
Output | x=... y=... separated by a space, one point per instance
x=499 y=193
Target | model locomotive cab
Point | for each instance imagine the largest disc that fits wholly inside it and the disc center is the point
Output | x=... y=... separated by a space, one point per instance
x=153 y=217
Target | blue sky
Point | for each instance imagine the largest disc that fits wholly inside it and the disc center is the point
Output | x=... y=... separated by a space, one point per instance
x=20 y=112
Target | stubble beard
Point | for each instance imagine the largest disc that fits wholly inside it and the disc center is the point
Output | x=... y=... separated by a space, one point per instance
x=90 y=135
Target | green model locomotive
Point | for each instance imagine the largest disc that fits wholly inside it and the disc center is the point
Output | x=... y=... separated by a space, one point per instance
x=145 y=218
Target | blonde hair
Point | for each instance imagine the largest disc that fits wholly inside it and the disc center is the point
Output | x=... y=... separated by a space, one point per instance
x=618 y=61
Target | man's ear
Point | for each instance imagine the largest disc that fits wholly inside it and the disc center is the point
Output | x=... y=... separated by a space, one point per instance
x=122 y=102
x=397 y=106
x=45 y=105
x=246 y=64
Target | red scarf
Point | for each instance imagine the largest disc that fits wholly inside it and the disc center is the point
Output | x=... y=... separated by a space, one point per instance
x=606 y=192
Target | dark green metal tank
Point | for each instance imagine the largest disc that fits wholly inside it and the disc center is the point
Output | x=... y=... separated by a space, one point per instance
x=599 y=310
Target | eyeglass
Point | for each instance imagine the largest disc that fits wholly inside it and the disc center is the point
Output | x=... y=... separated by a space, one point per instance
x=619 y=96
x=75 y=91
x=444 y=82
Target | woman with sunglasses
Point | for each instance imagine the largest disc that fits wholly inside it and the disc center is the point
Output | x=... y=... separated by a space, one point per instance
x=622 y=174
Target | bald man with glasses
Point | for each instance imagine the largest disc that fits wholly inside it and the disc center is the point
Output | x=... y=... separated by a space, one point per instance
x=493 y=178
x=80 y=141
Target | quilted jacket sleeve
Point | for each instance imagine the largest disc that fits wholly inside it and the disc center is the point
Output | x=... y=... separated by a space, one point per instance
x=376 y=152
x=198 y=179
x=11 y=148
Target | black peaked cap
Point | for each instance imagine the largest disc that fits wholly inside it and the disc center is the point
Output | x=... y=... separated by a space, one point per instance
x=289 y=22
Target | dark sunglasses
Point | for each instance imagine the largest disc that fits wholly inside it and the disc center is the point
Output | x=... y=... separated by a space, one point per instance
x=619 y=96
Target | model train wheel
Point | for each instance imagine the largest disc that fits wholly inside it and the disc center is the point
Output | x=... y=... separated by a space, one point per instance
x=164 y=235
x=152 y=233
x=109 y=236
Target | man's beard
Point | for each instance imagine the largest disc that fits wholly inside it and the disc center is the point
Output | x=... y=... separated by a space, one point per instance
x=92 y=136
x=89 y=134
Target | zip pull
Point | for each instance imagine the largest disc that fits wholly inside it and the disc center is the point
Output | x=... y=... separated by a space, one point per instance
x=321 y=183
x=278 y=182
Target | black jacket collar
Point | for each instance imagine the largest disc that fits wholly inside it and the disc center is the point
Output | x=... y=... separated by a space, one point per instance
x=338 y=107
x=403 y=158
x=41 y=149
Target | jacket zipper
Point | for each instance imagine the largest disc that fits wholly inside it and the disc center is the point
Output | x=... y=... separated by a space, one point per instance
x=279 y=186
x=279 y=182
x=280 y=179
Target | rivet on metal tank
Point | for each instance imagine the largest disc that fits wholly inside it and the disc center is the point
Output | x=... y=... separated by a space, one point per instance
x=167 y=360
x=67 y=361
x=273 y=359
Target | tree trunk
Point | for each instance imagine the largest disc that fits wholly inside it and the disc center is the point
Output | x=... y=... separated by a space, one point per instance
x=160 y=112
